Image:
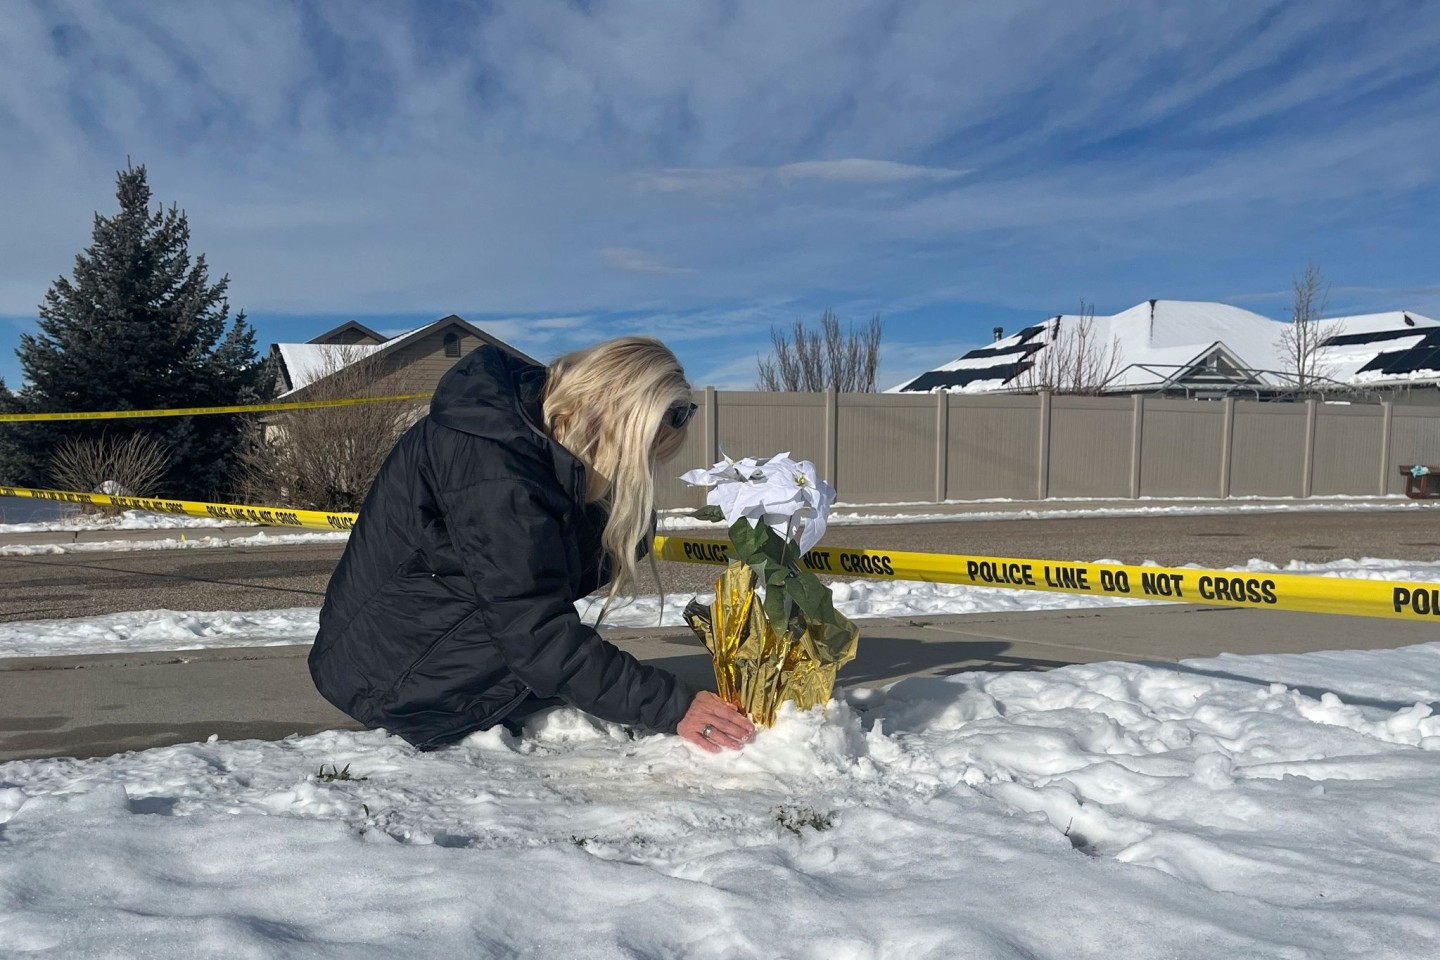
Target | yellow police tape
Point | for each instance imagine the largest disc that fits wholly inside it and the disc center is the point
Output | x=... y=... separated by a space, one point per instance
x=1389 y=599
x=204 y=411
x=269 y=516
x=1226 y=588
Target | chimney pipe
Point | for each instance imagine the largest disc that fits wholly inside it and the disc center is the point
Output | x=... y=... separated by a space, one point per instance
x=999 y=333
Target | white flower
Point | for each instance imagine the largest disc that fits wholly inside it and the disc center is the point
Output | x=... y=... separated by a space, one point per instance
x=781 y=492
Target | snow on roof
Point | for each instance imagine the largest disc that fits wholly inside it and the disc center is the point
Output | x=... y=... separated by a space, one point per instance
x=1144 y=330
x=1159 y=339
x=307 y=362
x=1156 y=340
x=1380 y=347
x=1380 y=322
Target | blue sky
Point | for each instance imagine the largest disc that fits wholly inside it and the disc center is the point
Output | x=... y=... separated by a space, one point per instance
x=562 y=173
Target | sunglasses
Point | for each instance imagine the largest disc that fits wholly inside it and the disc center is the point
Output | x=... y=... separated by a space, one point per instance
x=680 y=414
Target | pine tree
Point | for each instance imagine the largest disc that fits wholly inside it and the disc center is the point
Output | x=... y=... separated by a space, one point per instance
x=8 y=451
x=139 y=327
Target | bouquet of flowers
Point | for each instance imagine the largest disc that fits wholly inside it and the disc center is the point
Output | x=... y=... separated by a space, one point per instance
x=790 y=644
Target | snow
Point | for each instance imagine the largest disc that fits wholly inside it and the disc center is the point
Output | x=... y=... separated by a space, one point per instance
x=1157 y=338
x=983 y=363
x=1277 y=806
x=308 y=362
x=198 y=543
x=1343 y=361
x=1186 y=323
x=1420 y=375
x=1257 y=807
x=677 y=520
x=1380 y=322
x=152 y=630
x=128 y=520
x=1164 y=333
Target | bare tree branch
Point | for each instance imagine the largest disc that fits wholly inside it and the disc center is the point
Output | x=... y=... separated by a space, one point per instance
x=130 y=467
x=816 y=360
x=1302 y=340
x=1074 y=360
x=326 y=459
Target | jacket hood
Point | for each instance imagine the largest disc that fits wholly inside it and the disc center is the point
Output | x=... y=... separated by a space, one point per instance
x=494 y=394
x=491 y=393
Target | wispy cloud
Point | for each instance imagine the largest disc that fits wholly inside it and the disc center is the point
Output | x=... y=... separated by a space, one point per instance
x=850 y=171
x=421 y=159
x=631 y=260
x=856 y=170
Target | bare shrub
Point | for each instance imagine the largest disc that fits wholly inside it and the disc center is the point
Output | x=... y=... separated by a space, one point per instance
x=1302 y=340
x=815 y=360
x=1075 y=359
x=326 y=458
x=132 y=466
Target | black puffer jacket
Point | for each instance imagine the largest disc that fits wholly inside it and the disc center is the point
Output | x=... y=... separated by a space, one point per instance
x=455 y=596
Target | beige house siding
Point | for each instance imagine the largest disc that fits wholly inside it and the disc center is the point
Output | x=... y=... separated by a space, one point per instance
x=415 y=363
x=417 y=366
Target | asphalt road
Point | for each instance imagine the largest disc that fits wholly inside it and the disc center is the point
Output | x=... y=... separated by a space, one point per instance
x=265 y=577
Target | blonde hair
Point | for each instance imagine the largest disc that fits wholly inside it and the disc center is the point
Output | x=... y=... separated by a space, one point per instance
x=609 y=405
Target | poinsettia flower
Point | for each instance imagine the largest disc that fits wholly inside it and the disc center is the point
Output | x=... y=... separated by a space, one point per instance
x=796 y=492
x=725 y=470
x=783 y=493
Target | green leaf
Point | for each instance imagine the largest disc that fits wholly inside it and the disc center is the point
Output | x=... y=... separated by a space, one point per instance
x=752 y=543
x=709 y=512
x=816 y=603
x=777 y=609
x=812 y=596
x=748 y=540
x=775 y=574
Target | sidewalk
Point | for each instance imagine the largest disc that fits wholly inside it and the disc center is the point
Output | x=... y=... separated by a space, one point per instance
x=87 y=706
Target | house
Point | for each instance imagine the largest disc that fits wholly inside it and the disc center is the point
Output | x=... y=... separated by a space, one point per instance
x=1394 y=355
x=1195 y=349
x=411 y=362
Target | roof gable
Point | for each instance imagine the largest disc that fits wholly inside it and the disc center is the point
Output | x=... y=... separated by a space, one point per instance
x=349 y=332
x=453 y=321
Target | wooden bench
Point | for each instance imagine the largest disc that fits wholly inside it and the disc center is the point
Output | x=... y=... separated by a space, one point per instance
x=1423 y=486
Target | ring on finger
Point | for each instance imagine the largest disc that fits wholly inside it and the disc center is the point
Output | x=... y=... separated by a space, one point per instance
x=706 y=730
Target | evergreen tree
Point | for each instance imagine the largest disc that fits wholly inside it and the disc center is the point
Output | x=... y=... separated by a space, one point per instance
x=8 y=450
x=139 y=327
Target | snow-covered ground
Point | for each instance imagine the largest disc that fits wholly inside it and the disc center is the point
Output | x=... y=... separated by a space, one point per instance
x=1241 y=807
x=183 y=542
x=127 y=520
x=1236 y=807
x=149 y=630
x=843 y=515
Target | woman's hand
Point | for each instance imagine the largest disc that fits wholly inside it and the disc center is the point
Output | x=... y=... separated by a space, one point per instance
x=711 y=723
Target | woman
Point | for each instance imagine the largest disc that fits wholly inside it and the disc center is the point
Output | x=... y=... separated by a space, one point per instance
x=526 y=488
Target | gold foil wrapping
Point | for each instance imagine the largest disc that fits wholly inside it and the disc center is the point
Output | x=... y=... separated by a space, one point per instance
x=757 y=669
